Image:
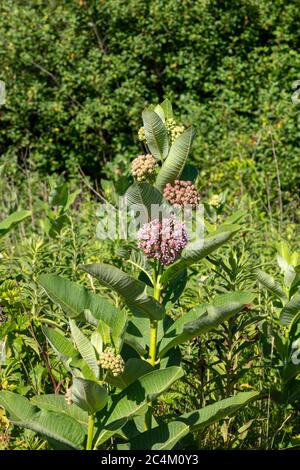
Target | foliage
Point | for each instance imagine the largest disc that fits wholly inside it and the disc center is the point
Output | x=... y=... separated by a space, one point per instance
x=75 y=99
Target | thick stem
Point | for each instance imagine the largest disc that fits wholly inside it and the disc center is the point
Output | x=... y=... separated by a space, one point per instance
x=91 y=423
x=152 y=346
x=154 y=325
x=153 y=340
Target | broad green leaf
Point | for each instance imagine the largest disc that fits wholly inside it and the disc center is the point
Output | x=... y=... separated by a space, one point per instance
x=134 y=368
x=199 y=249
x=269 y=282
x=17 y=406
x=166 y=105
x=176 y=160
x=141 y=196
x=159 y=110
x=189 y=173
x=132 y=290
x=12 y=220
x=65 y=350
x=133 y=400
x=75 y=299
x=85 y=348
x=236 y=217
x=54 y=402
x=162 y=437
x=201 y=319
x=104 y=331
x=290 y=310
x=62 y=346
x=119 y=331
x=195 y=251
x=199 y=419
x=290 y=371
x=156 y=134
x=58 y=427
x=88 y=395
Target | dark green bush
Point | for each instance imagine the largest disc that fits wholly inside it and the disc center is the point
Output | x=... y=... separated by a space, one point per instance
x=73 y=69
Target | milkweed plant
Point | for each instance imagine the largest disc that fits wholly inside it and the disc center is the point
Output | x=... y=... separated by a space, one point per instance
x=121 y=356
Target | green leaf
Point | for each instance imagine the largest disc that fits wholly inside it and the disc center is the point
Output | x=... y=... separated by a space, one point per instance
x=189 y=173
x=269 y=282
x=85 y=348
x=104 y=331
x=195 y=251
x=17 y=406
x=166 y=105
x=12 y=220
x=176 y=160
x=58 y=427
x=132 y=290
x=142 y=196
x=290 y=371
x=162 y=437
x=88 y=395
x=156 y=134
x=159 y=110
x=132 y=401
x=290 y=310
x=236 y=217
x=75 y=300
x=54 y=402
x=199 y=419
x=134 y=368
x=201 y=319
x=65 y=350
x=62 y=346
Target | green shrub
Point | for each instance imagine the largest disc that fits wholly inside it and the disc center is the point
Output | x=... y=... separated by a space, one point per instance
x=73 y=69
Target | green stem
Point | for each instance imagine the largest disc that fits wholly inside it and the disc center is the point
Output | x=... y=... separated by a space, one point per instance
x=154 y=324
x=152 y=346
x=153 y=340
x=91 y=423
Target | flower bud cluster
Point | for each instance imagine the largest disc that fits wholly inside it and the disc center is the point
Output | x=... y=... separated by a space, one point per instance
x=111 y=361
x=141 y=134
x=215 y=201
x=68 y=396
x=143 y=166
x=173 y=128
x=181 y=193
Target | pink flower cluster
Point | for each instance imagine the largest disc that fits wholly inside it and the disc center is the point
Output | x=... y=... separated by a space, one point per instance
x=181 y=193
x=163 y=240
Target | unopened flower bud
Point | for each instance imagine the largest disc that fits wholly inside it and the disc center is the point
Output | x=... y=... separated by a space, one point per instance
x=111 y=361
x=181 y=193
x=143 y=166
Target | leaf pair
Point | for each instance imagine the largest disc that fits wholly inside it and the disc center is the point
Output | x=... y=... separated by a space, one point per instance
x=165 y=436
x=174 y=158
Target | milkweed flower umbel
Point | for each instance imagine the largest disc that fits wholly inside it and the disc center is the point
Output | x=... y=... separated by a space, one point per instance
x=174 y=129
x=182 y=193
x=111 y=361
x=163 y=240
x=143 y=166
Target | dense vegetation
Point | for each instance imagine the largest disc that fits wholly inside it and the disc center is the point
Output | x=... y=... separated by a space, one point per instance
x=78 y=75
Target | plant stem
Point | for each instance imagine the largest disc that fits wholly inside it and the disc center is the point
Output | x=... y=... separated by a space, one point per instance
x=154 y=325
x=153 y=339
x=152 y=345
x=91 y=423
